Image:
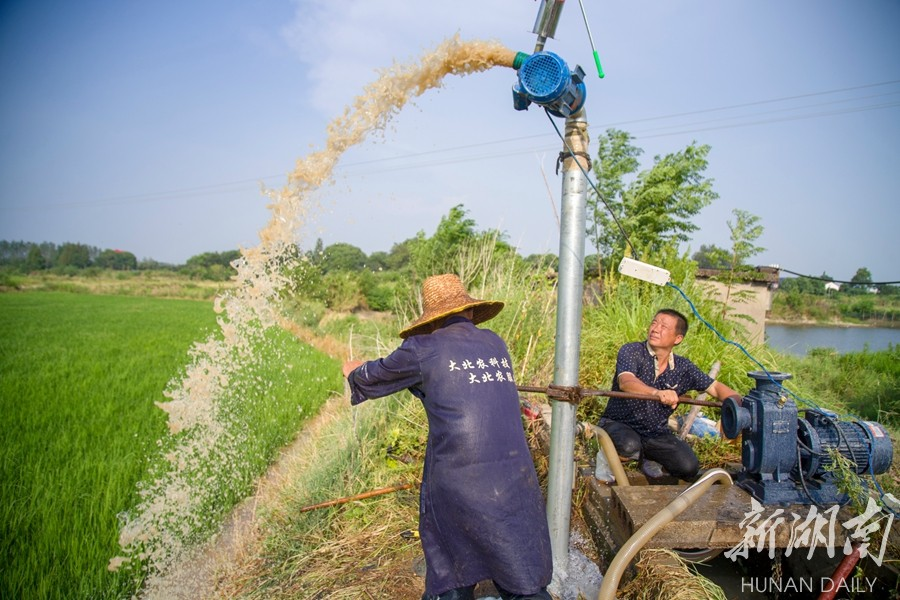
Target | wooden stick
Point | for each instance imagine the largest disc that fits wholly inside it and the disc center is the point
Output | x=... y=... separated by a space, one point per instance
x=363 y=496
x=692 y=414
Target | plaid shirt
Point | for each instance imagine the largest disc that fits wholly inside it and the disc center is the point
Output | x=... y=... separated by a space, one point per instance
x=647 y=417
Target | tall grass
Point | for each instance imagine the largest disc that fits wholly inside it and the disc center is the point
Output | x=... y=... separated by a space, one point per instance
x=331 y=552
x=862 y=384
x=621 y=312
x=355 y=549
x=79 y=376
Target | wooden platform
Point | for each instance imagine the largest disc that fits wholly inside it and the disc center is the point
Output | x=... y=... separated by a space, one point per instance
x=615 y=513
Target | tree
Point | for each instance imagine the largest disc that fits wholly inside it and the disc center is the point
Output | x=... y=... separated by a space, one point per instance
x=435 y=254
x=399 y=256
x=317 y=254
x=378 y=261
x=209 y=259
x=711 y=257
x=74 y=255
x=35 y=261
x=117 y=260
x=861 y=281
x=745 y=230
x=342 y=257
x=656 y=207
x=214 y=266
x=616 y=159
x=551 y=261
x=805 y=285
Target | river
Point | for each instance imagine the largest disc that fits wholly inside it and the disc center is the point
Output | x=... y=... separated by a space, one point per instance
x=798 y=339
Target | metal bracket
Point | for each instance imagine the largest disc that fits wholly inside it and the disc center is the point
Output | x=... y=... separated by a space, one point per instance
x=565 y=393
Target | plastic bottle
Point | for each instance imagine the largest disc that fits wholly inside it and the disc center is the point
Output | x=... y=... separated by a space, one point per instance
x=602 y=470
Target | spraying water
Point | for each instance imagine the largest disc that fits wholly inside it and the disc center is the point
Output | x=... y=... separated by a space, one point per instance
x=202 y=456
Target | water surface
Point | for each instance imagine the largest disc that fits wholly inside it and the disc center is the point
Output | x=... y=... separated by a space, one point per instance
x=799 y=339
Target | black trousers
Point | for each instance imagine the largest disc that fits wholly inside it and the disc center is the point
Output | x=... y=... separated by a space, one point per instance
x=669 y=450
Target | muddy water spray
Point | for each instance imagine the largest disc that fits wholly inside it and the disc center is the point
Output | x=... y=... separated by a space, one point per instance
x=201 y=459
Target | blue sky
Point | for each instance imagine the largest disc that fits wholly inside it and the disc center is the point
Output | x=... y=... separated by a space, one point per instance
x=151 y=126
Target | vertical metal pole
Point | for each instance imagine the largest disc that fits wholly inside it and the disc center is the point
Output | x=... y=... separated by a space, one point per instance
x=568 y=339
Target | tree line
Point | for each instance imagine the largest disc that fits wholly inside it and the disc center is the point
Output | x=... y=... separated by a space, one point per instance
x=645 y=214
x=72 y=258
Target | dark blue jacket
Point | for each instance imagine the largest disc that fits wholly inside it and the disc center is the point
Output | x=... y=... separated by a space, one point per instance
x=482 y=514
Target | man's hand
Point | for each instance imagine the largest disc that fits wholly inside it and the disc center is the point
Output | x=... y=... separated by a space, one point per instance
x=350 y=366
x=668 y=397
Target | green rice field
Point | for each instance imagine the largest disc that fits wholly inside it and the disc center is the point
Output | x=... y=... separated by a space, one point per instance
x=79 y=376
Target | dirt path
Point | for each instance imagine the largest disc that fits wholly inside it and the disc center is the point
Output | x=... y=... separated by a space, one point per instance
x=199 y=576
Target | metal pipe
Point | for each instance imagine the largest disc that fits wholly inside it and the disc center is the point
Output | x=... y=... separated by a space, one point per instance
x=640 y=537
x=609 y=450
x=611 y=394
x=546 y=21
x=568 y=339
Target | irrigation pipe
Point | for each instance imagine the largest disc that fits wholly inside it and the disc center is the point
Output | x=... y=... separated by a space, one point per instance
x=636 y=542
x=841 y=572
x=363 y=496
x=609 y=450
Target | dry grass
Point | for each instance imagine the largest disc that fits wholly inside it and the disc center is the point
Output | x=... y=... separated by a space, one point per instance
x=663 y=574
x=346 y=561
x=353 y=550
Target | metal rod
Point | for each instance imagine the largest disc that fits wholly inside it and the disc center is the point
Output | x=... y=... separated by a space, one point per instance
x=612 y=394
x=568 y=340
x=587 y=26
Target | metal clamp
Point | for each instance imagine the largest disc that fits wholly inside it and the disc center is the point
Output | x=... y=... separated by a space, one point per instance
x=565 y=154
x=565 y=393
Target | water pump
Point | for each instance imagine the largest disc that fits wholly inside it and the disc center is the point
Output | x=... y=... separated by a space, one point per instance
x=545 y=79
x=785 y=458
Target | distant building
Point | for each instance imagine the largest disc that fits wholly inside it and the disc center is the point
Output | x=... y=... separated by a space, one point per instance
x=751 y=296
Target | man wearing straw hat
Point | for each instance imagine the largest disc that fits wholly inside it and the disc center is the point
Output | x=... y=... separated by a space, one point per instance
x=481 y=513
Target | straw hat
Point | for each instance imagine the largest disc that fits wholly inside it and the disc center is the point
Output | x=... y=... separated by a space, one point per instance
x=444 y=295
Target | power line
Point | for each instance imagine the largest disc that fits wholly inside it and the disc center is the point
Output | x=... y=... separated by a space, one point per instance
x=406 y=157
x=838 y=280
x=695 y=127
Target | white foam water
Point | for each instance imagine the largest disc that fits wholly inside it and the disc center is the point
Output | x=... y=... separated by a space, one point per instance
x=205 y=446
x=581 y=579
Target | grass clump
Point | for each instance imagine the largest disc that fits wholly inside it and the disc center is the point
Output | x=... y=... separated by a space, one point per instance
x=354 y=548
x=663 y=574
